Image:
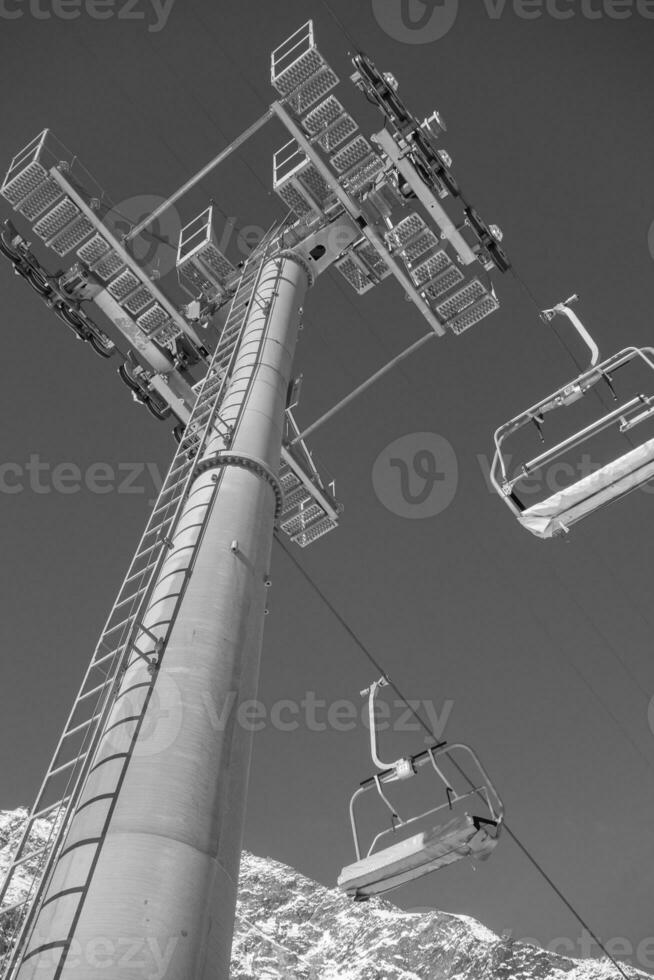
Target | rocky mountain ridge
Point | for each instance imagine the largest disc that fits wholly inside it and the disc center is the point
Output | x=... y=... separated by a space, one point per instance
x=290 y=928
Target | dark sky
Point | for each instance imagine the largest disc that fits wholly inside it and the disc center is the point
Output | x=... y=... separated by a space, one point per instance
x=544 y=648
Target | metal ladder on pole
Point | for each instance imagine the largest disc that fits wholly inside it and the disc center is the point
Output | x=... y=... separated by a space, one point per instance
x=73 y=757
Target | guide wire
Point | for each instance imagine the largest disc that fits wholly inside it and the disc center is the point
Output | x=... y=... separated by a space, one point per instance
x=421 y=721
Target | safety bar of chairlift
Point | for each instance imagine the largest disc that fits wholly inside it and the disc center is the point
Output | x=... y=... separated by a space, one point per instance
x=584 y=382
x=417 y=760
x=480 y=791
x=598 y=426
x=421 y=759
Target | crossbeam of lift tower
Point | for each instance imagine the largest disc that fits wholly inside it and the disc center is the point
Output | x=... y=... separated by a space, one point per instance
x=148 y=814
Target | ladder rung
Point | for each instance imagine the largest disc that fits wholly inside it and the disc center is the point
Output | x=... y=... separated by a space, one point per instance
x=107 y=656
x=146 y=551
x=204 y=409
x=152 y=530
x=48 y=809
x=67 y=765
x=176 y=469
x=28 y=857
x=12 y=908
x=80 y=727
x=237 y=309
x=138 y=574
x=113 y=629
x=132 y=597
x=168 y=487
x=172 y=478
x=98 y=687
x=167 y=505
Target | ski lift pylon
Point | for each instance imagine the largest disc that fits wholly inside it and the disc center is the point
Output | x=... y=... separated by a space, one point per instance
x=450 y=830
x=559 y=511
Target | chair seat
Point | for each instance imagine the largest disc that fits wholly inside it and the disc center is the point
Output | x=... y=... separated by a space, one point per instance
x=461 y=837
x=560 y=511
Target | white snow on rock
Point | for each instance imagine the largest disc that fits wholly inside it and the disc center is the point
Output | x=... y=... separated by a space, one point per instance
x=290 y=928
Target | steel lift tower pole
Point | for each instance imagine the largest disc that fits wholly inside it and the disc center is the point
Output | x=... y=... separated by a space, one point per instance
x=167 y=873
x=135 y=835
x=168 y=869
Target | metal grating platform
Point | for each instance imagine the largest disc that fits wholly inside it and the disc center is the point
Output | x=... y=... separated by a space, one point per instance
x=108 y=266
x=404 y=231
x=56 y=219
x=293 y=170
x=309 y=511
x=46 y=194
x=292 y=198
x=323 y=116
x=138 y=300
x=27 y=171
x=479 y=311
x=72 y=236
x=201 y=265
x=442 y=283
x=93 y=250
x=363 y=268
x=313 y=90
x=166 y=334
x=354 y=153
x=363 y=173
x=123 y=285
x=317 y=530
x=430 y=267
x=472 y=292
x=419 y=246
x=153 y=319
x=355 y=273
x=301 y=520
x=299 y=72
x=337 y=133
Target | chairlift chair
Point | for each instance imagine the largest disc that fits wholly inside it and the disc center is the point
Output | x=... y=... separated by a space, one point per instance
x=558 y=512
x=454 y=828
